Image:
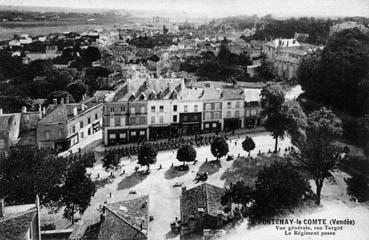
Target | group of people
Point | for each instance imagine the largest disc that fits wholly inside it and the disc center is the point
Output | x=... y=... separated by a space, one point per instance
x=164 y=145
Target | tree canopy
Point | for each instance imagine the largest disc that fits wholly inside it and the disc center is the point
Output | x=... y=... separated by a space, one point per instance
x=278 y=188
x=248 y=144
x=147 y=155
x=219 y=147
x=317 y=154
x=186 y=153
x=339 y=76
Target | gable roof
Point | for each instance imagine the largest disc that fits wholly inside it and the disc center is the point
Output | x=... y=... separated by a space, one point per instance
x=134 y=213
x=16 y=226
x=205 y=196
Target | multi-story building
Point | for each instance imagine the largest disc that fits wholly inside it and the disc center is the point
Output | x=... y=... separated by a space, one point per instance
x=253 y=108
x=149 y=108
x=159 y=108
x=212 y=110
x=190 y=111
x=286 y=55
x=233 y=109
x=65 y=125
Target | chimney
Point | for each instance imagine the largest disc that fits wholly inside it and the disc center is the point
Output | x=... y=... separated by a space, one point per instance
x=83 y=107
x=1 y=111
x=24 y=109
x=75 y=112
x=38 y=217
x=184 y=189
x=2 y=207
x=55 y=101
x=62 y=101
x=39 y=112
x=67 y=100
x=43 y=111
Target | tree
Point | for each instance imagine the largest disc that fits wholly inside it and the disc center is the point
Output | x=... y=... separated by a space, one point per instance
x=343 y=68
x=147 y=155
x=282 y=116
x=77 y=193
x=278 y=188
x=318 y=155
x=272 y=99
x=110 y=161
x=265 y=72
x=357 y=186
x=248 y=144
x=28 y=172
x=219 y=147
x=91 y=54
x=186 y=153
x=77 y=89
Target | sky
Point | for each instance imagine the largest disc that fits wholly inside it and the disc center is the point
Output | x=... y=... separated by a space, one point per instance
x=218 y=8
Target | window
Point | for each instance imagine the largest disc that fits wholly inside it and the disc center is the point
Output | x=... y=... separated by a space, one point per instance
x=247 y=113
x=26 y=117
x=175 y=118
x=174 y=108
x=122 y=109
x=253 y=112
x=216 y=115
x=89 y=131
x=133 y=133
x=81 y=124
x=152 y=108
x=214 y=125
x=96 y=116
x=207 y=125
x=73 y=129
x=82 y=134
x=161 y=119
x=228 y=114
x=153 y=120
x=143 y=120
x=112 y=110
x=133 y=110
x=122 y=135
x=217 y=106
x=195 y=118
x=47 y=135
x=132 y=120
x=112 y=136
x=112 y=122
x=185 y=108
x=88 y=120
x=196 y=108
x=237 y=113
x=143 y=110
x=161 y=108
x=237 y=104
x=207 y=106
x=60 y=133
x=207 y=116
x=142 y=133
x=122 y=121
x=229 y=104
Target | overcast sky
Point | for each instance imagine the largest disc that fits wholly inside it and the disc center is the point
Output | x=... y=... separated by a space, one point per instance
x=217 y=8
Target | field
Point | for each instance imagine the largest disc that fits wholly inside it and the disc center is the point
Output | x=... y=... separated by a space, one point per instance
x=35 y=28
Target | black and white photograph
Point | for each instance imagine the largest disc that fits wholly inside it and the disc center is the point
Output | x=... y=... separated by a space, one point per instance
x=184 y=119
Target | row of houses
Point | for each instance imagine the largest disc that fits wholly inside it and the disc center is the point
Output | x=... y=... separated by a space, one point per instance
x=157 y=108
x=138 y=110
